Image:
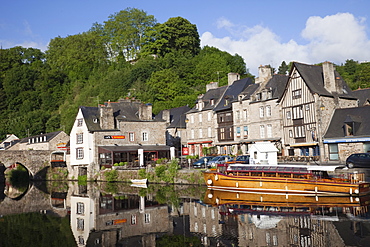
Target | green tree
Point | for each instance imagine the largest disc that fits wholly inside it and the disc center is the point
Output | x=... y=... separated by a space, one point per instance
x=283 y=69
x=176 y=34
x=126 y=30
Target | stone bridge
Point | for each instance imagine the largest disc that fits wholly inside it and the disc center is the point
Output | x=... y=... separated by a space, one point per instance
x=33 y=160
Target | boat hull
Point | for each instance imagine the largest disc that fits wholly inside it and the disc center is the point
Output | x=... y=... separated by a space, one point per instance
x=258 y=184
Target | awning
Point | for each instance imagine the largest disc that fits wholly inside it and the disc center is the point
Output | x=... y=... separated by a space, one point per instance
x=135 y=148
x=201 y=142
x=304 y=144
x=347 y=140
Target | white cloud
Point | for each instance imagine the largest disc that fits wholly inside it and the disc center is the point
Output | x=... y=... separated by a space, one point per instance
x=332 y=38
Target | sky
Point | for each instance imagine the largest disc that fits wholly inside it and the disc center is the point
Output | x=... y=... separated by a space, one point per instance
x=262 y=32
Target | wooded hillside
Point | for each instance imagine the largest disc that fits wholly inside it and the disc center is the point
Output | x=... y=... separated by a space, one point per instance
x=129 y=55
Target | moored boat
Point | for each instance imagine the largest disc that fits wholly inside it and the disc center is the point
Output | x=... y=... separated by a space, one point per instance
x=292 y=179
x=139 y=181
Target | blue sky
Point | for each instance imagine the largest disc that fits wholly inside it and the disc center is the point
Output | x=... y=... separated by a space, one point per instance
x=262 y=32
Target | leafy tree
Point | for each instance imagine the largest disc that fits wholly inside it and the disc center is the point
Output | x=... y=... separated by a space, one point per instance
x=176 y=34
x=126 y=31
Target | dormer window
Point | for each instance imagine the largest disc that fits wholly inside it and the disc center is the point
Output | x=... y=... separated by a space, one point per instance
x=258 y=97
x=95 y=120
x=212 y=101
x=348 y=129
x=350 y=126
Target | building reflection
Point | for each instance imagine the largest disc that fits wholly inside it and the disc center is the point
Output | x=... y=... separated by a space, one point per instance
x=101 y=215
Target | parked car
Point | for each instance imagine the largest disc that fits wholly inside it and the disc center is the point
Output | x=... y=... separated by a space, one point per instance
x=358 y=160
x=243 y=159
x=202 y=162
x=218 y=160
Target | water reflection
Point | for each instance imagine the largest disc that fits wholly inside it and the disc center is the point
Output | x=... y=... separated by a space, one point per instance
x=117 y=214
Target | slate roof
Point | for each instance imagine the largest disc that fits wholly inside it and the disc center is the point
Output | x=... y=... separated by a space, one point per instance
x=231 y=94
x=49 y=137
x=360 y=115
x=214 y=94
x=363 y=96
x=278 y=84
x=313 y=76
x=122 y=111
x=177 y=117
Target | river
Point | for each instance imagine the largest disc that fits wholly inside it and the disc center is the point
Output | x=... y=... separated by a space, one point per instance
x=60 y=213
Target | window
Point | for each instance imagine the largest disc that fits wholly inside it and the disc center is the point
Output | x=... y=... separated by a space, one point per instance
x=297 y=112
x=290 y=133
x=79 y=122
x=245 y=114
x=80 y=208
x=80 y=138
x=80 y=224
x=131 y=136
x=222 y=133
x=288 y=116
x=296 y=94
x=192 y=134
x=192 y=119
x=147 y=218
x=178 y=133
x=209 y=116
x=200 y=117
x=245 y=131
x=81 y=240
x=333 y=151
x=268 y=111
x=262 y=131
x=212 y=101
x=200 y=133
x=237 y=115
x=209 y=132
x=145 y=136
x=348 y=128
x=262 y=112
x=269 y=130
x=79 y=153
x=238 y=131
x=299 y=131
x=133 y=219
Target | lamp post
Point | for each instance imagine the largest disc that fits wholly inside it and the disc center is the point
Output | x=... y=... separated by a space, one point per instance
x=321 y=144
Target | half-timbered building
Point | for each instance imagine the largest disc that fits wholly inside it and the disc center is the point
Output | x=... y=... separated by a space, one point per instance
x=311 y=95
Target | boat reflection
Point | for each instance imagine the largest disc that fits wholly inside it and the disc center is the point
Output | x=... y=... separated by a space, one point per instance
x=292 y=220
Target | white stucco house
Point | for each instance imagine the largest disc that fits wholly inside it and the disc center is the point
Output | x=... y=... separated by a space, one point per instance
x=263 y=153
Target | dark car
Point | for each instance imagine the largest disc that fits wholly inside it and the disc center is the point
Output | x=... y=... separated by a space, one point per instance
x=243 y=159
x=202 y=162
x=358 y=160
x=218 y=160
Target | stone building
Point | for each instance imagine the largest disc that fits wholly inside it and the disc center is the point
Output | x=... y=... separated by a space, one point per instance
x=53 y=141
x=201 y=120
x=309 y=99
x=176 y=127
x=211 y=120
x=257 y=116
x=348 y=132
x=115 y=132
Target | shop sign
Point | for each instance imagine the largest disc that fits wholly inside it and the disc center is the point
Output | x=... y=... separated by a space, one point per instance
x=115 y=137
x=185 y=151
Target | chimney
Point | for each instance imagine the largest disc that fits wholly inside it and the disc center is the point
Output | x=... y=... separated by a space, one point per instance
x=166 y=116
x=329 y=76
x=106 y=116
x=145 y=111
x=264 y=74
x=231 y=77
x=211 y=85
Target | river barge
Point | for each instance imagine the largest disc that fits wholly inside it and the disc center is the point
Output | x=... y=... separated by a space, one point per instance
x=291 y=179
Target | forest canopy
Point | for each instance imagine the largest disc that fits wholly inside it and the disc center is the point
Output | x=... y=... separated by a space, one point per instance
x=128 y=55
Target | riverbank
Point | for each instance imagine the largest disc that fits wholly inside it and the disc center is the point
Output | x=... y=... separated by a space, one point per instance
x=165 y=175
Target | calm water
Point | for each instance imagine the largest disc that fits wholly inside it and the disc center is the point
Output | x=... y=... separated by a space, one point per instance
x=117 y=214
